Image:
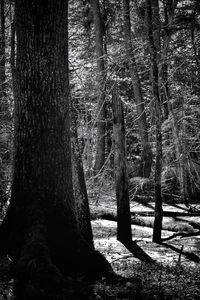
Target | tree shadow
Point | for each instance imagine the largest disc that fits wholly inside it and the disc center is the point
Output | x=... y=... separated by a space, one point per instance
x=190 y=256
x=138 y=252
x=178 y=206
x=195 y=225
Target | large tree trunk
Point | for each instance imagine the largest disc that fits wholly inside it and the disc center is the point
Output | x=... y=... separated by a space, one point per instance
x=157 y=109
x=40 y=231
x=142 y=122
x=101 y=107
x=124 y=233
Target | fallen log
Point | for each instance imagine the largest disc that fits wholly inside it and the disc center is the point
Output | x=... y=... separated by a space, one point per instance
x=165 y=214
x=181 y=235
x=142 y=221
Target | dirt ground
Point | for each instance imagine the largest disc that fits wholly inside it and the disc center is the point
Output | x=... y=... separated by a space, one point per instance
x=176 y=272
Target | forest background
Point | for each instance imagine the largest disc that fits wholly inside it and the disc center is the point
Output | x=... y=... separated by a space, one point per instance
x=134 y=89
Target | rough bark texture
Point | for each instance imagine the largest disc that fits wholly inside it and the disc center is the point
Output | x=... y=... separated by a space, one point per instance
x=40 y=231
x=4 y=114
x=169 y=7
x=157 y=106
x=79 y=186
x=142 y=122
x=13 y=54
x=156 y=26
x=124 y=234
x=2 y=60
x=161 y=46
x=101 y=109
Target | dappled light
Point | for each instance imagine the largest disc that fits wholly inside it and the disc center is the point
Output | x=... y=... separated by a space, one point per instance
x=99 y=150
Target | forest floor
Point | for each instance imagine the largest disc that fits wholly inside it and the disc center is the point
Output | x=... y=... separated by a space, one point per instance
x=176 y=271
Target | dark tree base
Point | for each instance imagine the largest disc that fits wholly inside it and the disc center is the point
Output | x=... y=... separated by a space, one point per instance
x=37 y=278
x=48 y=259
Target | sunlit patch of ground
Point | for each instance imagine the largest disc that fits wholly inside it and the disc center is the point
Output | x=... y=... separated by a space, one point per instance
x=171 y=278
x=104 y=232
x=174 y=276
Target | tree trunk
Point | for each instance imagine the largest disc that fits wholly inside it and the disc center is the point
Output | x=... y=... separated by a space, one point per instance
x=169 y=8
x=180 y=153
x=40 y=232
x=79 y=186
x=156 y=26
x=124 y=233
x=142 y=122
x=4 y=112
x=13 y=54
x=162 y=50
x=157 y=106
x=164 y=86
x=101 y=108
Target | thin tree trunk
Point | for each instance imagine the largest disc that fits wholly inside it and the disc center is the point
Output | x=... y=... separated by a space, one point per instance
x=79 y=186
x=156 y=28
x=124 y=233
x=108 y=113
x=101 y=107
x=180 y=155
x=184 y=182
x=157 y=106
x=162 y=52
x=169 y=8
x=142 y=122
x=155 y=23
x=2 y=60
x=4 y=112
x=13 y=54
x=163 y=74
x=196 y=55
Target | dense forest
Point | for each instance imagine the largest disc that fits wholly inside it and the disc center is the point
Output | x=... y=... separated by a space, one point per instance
x=99 y=149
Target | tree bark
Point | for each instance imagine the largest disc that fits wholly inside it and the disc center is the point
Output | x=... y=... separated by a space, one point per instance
x=13 y=54
x=142 y=122
x=124 y=233
x=79 y=186
x=157 y=106
x=169 y=8
x=101 y=107
x=156 y=26
x=4 y=112
x=2 y=60
x=40 y=232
